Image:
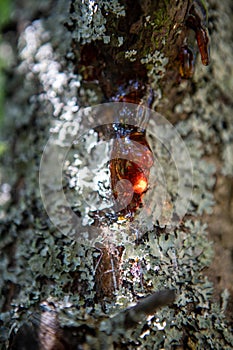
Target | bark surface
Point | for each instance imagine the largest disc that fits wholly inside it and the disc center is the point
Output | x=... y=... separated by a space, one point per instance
x=58 y=292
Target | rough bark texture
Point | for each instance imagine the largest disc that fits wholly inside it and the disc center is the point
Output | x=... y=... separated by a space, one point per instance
x=57 y=293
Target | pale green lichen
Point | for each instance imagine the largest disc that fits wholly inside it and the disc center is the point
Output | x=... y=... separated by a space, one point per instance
x=155 y=63
x=209 y=109
x=90 y=18
x=131 y=55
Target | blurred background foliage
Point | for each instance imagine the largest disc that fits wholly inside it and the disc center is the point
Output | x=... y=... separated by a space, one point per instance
x=5 y=13
x=5 y=62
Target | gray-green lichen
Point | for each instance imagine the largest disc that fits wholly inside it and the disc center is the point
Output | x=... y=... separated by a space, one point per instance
x=51 y=266
x=155 y=63
x=209 y=109
x=90 y=18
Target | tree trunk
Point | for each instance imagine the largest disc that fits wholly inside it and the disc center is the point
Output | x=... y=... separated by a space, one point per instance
x=116 y=232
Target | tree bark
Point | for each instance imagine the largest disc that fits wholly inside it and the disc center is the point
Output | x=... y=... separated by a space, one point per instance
x=60 y=291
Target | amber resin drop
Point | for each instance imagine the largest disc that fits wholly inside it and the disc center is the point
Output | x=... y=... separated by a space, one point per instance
x=131 y=160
